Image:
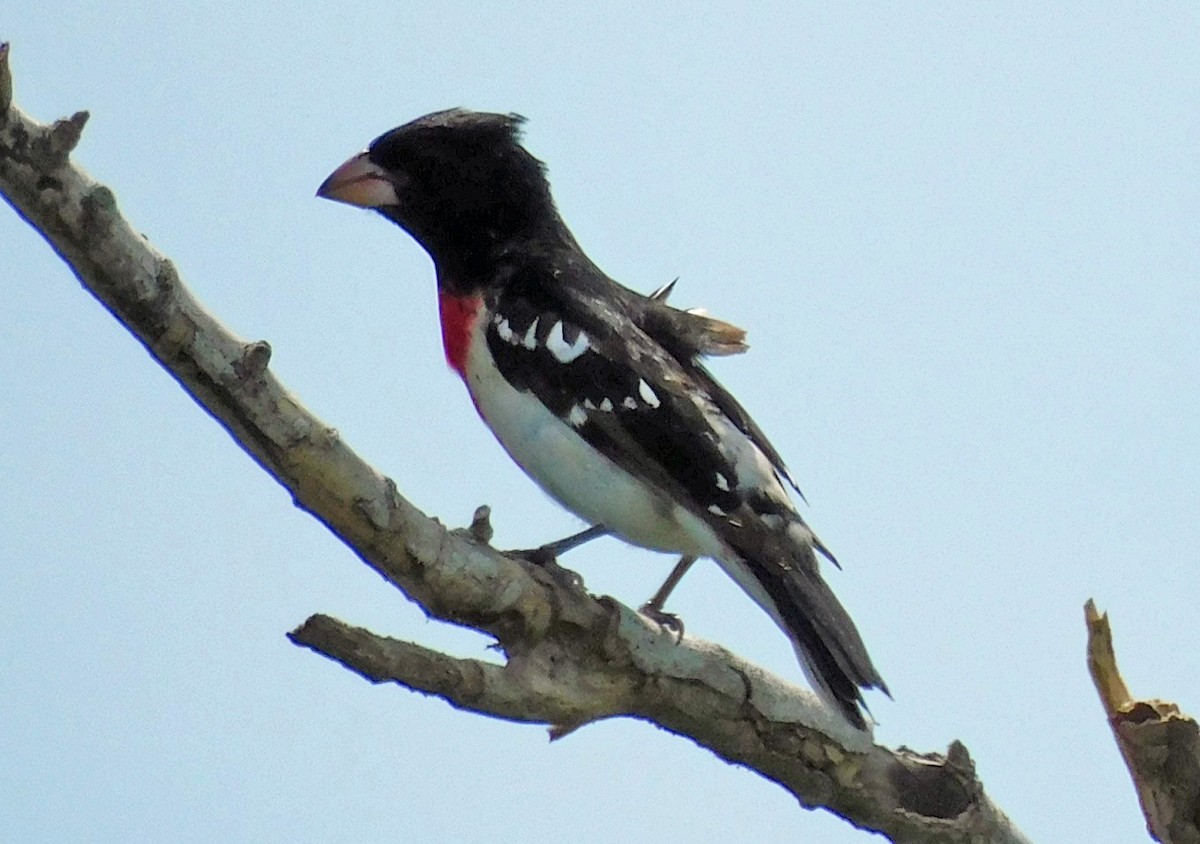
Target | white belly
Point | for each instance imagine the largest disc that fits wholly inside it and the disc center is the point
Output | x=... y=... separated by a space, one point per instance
x=581 y=479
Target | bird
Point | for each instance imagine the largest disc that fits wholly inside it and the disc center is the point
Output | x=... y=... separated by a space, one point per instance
x=598 y=392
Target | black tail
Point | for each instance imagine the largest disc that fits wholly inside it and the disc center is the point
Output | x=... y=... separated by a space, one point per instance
x=825 y=638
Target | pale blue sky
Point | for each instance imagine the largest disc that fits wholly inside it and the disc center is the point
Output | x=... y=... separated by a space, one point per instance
x=964 y=239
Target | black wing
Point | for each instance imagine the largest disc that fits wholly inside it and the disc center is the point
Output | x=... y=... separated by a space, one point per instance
x=688 y=336
x=616 y=386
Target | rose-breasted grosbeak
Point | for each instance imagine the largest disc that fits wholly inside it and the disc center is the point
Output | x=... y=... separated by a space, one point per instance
x=596 y=391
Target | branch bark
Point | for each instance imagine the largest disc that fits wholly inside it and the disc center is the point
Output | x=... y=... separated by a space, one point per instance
x=1160 y=745
x=568 y=658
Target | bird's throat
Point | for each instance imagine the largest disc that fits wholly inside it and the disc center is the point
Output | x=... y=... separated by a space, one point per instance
x=459 y=314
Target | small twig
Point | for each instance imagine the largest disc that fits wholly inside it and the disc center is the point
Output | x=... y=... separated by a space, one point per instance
x=6 y=89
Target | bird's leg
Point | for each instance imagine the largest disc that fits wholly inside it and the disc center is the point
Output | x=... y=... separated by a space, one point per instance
x=654 y=607
x=548 y=553
x=546 y=556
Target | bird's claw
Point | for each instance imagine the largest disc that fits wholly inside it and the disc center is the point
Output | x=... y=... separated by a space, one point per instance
x=544 y=558
x=668 y=621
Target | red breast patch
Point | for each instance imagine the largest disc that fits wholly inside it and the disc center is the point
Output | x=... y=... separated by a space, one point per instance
x=459 y=314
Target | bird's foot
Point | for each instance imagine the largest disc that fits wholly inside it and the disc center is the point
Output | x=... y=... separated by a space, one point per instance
x=545 y=558
x=668 y=621
x=653 y=609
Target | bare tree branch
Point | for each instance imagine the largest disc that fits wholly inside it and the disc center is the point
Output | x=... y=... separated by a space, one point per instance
x=1160 y=745
x=568 y=658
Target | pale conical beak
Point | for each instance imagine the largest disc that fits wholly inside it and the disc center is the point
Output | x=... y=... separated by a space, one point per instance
x=360 y=182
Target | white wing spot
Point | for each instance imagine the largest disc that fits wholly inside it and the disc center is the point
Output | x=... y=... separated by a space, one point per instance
x=503 y=329
x=588 y=404
x=647 y=393
x=576 y=416
x=529 y=341
x=722 y=482
x=565 y=352
x=716 y=511
x=629 y=402
x=606 y=405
